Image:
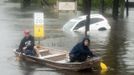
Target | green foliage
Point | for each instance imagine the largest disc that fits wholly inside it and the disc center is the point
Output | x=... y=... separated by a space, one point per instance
x=108 y=3
x=80 y=4
x=51 y=1
x=14 y=0
x=34 y=1
x=96 y=3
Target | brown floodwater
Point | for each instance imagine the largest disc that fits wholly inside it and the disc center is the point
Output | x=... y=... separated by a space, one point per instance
x=115 y=46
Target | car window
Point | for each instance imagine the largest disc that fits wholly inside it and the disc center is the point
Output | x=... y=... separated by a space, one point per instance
x=92 y=21
x=80 y=24
x=69 y=24
x=95 y=20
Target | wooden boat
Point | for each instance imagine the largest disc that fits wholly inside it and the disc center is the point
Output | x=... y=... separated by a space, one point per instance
x=59 y=59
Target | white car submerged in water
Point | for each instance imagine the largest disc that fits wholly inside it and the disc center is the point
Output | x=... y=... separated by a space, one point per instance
x=97 y=23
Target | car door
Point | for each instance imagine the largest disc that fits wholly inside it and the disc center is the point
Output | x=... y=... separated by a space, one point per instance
x=95 y=23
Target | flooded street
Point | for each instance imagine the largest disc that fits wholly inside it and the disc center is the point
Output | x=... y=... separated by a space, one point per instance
x=115 y=46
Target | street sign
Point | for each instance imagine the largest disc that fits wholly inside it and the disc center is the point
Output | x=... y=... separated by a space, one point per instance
x=38 y=25
x=67 y=5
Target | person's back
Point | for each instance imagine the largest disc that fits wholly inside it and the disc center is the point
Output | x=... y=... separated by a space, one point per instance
x=81 y=51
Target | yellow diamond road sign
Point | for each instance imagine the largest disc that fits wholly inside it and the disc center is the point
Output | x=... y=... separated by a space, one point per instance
x=38 y=25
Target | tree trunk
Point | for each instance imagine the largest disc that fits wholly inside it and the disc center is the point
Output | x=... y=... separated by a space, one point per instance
x=127 y=8
x=87 y=9
x=102 y=6
x=115 y=9
x=122 y=6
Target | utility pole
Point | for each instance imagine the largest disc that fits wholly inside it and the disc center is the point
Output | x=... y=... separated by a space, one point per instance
x=122 y=8
x=127 y=8
x=115 y=9
x=87 y=4
x=102 y=6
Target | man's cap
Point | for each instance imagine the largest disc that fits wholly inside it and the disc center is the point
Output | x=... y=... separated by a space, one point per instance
x=26 y=32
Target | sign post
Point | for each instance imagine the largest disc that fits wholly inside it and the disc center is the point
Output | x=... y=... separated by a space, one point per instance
x=67 y=5
x=39 y=26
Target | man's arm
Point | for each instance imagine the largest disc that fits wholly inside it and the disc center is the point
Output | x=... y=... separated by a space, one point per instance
x=21 y=45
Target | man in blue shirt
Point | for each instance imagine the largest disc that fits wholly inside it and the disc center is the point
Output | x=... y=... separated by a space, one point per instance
x=81 y=51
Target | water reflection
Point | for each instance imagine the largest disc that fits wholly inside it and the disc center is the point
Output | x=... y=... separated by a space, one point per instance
x=26 y=68
x=116 y=47
x=128 y=56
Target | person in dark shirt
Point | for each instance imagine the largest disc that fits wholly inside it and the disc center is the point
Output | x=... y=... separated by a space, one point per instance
x=81 y=51
x=27 y=44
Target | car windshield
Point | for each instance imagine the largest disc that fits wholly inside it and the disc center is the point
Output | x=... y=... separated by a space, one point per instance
x=95 y=20
x=80 y=24
x=92 y=21
x=70 y=24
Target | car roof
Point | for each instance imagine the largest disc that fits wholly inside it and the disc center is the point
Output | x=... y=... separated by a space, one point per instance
x=84 y=17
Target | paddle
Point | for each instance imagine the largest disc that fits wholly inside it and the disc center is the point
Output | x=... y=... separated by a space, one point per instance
x=104 y=67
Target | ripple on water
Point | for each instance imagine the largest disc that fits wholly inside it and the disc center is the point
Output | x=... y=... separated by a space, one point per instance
x=129 y=56
x=24 y=65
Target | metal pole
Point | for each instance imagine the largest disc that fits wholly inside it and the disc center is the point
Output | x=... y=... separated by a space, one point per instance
x=39 y=41
x=127 y=8
x=87 y=23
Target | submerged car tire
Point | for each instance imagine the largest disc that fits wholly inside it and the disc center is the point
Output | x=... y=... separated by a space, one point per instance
x=102 y=29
